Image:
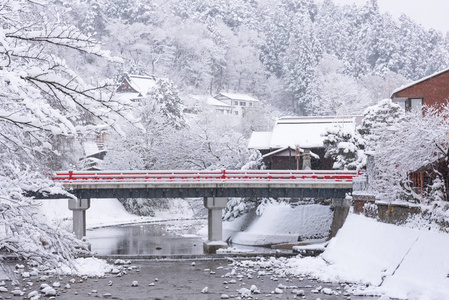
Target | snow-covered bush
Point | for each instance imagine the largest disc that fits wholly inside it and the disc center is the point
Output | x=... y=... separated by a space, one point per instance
x=345 y=147
x=255 y=161
x=143 y=207
x=370 y=210
x=376 y=120
x=24 y=232
x=237 y=207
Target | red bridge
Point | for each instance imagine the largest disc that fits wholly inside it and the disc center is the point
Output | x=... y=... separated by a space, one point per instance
x=220 y=183
x=213 y=186
x=222 y=176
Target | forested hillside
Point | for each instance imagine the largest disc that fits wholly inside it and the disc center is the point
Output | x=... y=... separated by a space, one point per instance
x=302 y=56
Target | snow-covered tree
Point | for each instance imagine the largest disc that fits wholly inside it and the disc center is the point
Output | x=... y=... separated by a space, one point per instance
x=415 y=142
x=166 y=104
x=377 y=119
x=335 y=93
x=212 y=142
x=345 y=147
x=161 y=118
x=43 y=104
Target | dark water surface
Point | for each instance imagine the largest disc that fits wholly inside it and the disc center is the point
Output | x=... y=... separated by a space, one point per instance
x=161 y=238
x=174 y=237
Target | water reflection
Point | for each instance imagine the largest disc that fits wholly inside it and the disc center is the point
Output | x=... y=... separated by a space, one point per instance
x=148 y=239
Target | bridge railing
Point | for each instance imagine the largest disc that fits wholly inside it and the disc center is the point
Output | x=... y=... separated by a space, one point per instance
x=77 y=177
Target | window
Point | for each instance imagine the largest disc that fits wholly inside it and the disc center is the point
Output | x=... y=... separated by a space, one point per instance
x=236 y=103
x=413 y=104
x=236 y=112
x=250 y=104
x=242 y=103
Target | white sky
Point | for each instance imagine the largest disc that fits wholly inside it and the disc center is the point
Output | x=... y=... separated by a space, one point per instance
x=429 y=13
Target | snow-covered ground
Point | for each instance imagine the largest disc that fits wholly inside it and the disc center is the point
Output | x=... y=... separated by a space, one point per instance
x=107 y=212
x=280 y=223
x=398 y=262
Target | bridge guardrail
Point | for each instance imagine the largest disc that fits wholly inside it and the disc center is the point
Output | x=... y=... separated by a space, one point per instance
x=76 y=177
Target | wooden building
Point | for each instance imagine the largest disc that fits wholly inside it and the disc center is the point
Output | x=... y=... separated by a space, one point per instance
x=296 y=143
x=135 y=87
x=429 y=91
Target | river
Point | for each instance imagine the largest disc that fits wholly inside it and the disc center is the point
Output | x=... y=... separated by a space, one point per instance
x=156 y=238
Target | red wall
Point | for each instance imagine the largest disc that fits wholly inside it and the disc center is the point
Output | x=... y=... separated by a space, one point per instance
x=434 y=91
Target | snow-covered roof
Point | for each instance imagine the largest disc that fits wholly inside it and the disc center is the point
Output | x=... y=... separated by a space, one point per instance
x=90 y=148
x=418 y=81
x=235 y=96
x=142 y=84
x=275 y=152
x=306 y=132
x=209 y=100
x=260 y=140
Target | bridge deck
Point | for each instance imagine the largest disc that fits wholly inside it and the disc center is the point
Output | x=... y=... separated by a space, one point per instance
x=221 y=183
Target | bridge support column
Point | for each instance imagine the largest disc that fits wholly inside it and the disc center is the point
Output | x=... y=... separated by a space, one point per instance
x=341 y=209
x=79 y=207
x=214 y=206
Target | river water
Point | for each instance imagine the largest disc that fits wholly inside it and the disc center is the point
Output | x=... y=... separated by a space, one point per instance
x=162 y=238
x=182 y=238
x=158 y=238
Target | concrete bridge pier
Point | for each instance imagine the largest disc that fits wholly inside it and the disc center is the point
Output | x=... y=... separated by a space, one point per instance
x=214 y=206
x=79 y=207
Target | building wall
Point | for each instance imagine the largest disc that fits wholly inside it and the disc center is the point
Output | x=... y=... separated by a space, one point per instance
x=434 y=91
x=288 y=162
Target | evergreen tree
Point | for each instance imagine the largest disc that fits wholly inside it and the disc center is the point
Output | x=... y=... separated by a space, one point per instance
x=166 y=103
x=345 y=148
x=378 y=118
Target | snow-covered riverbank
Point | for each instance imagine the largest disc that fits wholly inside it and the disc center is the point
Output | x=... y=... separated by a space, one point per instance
x=109 y=212
x=398 y=262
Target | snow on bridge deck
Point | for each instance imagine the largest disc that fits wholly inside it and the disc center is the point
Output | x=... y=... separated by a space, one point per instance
x=220 y=183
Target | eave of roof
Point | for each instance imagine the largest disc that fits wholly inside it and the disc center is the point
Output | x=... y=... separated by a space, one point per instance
x=417 y=82
x=235 y=96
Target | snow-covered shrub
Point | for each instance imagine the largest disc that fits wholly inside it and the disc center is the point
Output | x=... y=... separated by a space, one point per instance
x=376 y=120
x=144 y=207
x=237 y=207
x=436 y=192
x=263 y=203
x=255 y=161
x=24 y=232
x=345 y=147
